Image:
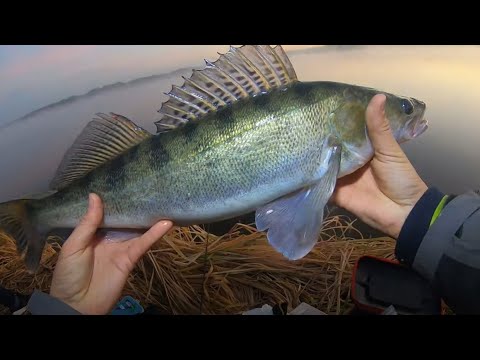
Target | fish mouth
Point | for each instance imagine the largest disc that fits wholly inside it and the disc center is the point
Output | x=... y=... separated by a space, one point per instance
x=419 y=128
x=416 y=127
x=419 y=124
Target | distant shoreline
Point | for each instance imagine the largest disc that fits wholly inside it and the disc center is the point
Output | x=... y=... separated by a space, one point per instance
x=121 y=84
x=97 y=91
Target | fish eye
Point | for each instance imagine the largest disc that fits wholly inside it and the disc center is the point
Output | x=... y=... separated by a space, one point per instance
x=407 y=106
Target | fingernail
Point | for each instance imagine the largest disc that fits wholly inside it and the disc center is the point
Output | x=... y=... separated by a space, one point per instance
x=90 y=202
x=382 y=105
x=166 y=223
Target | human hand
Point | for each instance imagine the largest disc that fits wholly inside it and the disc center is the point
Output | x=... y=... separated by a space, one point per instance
x=384 y=191
x=90 y=273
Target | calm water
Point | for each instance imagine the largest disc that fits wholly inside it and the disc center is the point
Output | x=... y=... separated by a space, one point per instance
x=447 y=78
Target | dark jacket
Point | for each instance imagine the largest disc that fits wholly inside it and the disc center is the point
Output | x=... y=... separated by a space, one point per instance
x=447 y=252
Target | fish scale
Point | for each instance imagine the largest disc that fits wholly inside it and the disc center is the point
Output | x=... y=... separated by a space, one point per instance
x=193 y=160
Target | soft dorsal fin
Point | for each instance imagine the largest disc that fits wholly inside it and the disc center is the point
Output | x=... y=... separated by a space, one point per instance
x=102 y=140
x=241 y=72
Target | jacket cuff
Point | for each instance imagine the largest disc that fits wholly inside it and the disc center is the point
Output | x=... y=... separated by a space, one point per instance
x=44 y=304
x=416 y=225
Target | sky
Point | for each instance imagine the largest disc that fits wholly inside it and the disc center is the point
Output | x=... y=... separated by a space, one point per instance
x=33 y=76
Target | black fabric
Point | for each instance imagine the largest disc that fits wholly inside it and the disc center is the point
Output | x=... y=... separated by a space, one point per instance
x=280 y=309
x=416 y=226
x=379 y=283
x=459 y=285
x=12 y=300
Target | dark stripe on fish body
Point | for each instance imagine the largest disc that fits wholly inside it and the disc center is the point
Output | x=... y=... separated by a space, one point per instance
x=305 y=93
x=262 y=101
x=159 y=155
x=189 y=130
x=133 y=153
x=115 y=174
x=225 y=116
x=88 y=181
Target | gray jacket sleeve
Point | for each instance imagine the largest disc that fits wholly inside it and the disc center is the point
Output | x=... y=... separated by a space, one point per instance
x=447 y=252
x=44 y=304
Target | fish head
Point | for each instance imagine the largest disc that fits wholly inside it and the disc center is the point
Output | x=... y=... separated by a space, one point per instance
x=406 y=116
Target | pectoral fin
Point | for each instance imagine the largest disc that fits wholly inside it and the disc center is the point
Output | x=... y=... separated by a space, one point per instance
x=294 y=222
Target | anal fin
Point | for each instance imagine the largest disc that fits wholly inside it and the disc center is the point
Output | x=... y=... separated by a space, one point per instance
x=294 y=222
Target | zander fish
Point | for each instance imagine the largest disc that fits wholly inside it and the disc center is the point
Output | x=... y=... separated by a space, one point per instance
x=241 y=135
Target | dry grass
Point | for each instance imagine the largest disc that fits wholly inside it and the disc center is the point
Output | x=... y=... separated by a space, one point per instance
x=194 y=272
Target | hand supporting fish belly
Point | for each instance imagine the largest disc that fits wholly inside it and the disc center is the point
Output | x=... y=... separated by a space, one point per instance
x=241 y=135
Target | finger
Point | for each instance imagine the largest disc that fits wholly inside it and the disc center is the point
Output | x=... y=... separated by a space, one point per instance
x=378 y=127
x=86 y=229
x=140 y=246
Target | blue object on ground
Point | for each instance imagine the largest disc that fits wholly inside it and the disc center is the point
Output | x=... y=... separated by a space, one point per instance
x=127 y=306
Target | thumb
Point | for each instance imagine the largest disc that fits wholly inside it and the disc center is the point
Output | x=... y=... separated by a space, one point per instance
x=86 y=229
x=379 y=129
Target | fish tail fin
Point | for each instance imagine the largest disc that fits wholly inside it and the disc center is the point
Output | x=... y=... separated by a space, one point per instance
x=15 y=221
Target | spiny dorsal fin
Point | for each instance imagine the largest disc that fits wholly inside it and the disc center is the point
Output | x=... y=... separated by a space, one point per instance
x=102 y=140
x=241 y=72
